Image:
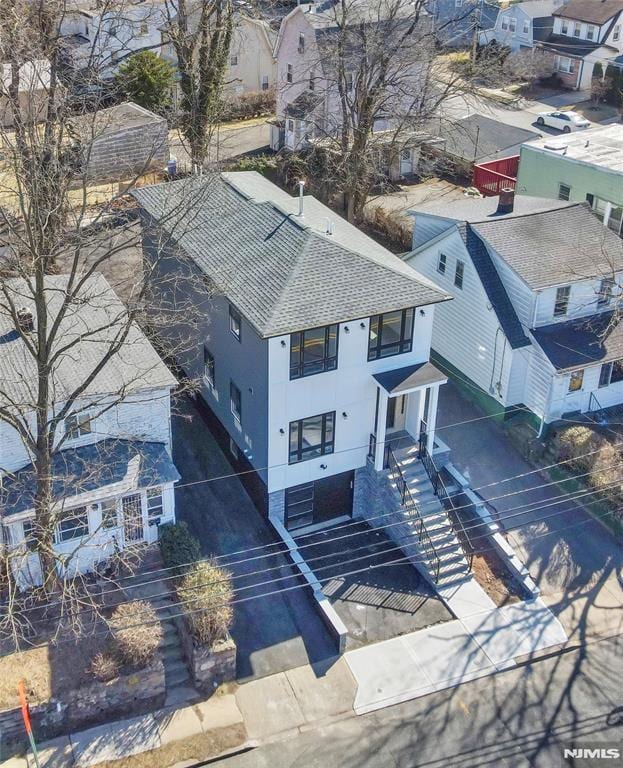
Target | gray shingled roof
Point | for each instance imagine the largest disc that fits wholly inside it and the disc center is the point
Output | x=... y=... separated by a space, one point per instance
x=478 y=138
x=592 y=11
x=494 y=288
x=138 y=463
x=581 y=342
x=135 y=367
x=554 y=247
x=283 y=272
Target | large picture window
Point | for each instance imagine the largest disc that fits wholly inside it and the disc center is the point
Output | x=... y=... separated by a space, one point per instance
x=313 y=351
x=312 y=437
x=390 y=334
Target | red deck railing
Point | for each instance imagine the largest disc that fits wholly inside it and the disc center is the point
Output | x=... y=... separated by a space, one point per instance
x=491 y=177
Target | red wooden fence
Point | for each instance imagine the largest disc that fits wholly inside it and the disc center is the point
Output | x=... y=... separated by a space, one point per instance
x=491 y=177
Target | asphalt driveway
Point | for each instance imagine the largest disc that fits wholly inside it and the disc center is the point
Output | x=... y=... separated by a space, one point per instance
x=386 y=598
x=273 y=633
x=566 y=553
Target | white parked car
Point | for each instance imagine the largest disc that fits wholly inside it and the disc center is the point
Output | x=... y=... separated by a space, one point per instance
x=564 y=121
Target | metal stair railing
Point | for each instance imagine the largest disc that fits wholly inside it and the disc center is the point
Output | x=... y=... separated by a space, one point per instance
x=411 y=506
x=439 y=487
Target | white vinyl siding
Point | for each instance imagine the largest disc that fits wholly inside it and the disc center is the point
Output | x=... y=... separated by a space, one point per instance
x=465 y=330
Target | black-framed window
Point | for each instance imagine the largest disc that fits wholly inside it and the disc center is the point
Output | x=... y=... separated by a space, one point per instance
x=235 y=399
x=235 y=322
x=391 y=334
x=312 y=437
x=313 y=351
x=208 y=366
x=561 y=305
x=442 y=261
x=74 y=526
x=459 y=273
x=610 y=373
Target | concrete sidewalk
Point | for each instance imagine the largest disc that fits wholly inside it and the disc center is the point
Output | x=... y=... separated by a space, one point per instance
x=449 y=654
x=256 y=711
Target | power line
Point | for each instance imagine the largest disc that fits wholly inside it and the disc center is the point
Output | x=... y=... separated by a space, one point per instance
x=402 y=560
x=476 y=525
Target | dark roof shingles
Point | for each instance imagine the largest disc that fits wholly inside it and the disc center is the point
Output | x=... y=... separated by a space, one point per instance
x=581 y=342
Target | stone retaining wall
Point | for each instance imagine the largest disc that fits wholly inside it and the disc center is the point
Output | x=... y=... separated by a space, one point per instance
x=133 y=693
x=209 y=667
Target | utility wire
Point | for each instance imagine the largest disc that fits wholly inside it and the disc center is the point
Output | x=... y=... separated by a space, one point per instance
x=399 y=561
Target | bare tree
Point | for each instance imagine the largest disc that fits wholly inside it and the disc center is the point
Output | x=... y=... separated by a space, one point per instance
x=68 y=345
x=371 y=85
x=200 y=32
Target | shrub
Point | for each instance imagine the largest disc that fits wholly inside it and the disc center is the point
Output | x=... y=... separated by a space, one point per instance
x=254 y=104
x=104 y=666
x=136 y=632
x=178 y=546
x=573 y=442
x=606 y=469
x=206 y=593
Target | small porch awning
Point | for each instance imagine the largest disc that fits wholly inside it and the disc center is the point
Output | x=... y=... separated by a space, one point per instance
x=130 y=464
x=399 y=381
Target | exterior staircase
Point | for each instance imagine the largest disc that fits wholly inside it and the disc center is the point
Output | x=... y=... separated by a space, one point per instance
x=159 y=593
x=426 y=520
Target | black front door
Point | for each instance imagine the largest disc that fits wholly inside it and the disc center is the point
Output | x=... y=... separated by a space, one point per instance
x=391 y=413
x=333 y=497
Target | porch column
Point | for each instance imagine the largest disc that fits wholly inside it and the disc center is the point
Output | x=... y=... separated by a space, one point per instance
x=431 y=417
x=381 y=427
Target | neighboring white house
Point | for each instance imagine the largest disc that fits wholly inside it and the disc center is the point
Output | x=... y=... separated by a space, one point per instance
x=585 y=33
x=534 y=285
x=315 y=347
x=99 y=40
x=308 y=101
x=34 y=85
x=113 y=472
x=251 y=67
x=520 y=25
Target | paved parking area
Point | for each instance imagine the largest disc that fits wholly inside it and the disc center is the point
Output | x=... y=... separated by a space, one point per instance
x=385 y=598
x=273 y=632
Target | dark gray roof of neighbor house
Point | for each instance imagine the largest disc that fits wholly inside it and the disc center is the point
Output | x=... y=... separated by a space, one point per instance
x=591 y=11
x=476 y=209
x=554 y=247
x=89 y=330
x=478 y=138
x=582 y=342
x=136 y=463
x=494 y=288
x=304 y=103
x=283 y=272
x=409 y=377
x=570 y=46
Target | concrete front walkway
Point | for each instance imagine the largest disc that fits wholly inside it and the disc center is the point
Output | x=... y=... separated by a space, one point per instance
x=449 y=654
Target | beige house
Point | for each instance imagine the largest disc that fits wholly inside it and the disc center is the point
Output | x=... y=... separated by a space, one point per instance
x=252 y=65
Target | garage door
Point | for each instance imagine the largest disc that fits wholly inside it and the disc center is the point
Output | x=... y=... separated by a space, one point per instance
x=319 y=501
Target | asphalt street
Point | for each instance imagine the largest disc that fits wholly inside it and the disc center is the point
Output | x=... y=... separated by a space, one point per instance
x=519 y=718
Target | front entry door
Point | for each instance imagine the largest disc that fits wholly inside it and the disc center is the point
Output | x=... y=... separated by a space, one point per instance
x=396 y=413
x=133 y=529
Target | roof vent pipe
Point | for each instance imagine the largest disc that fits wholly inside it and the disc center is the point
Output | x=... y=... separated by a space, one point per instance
x=329 y=230
x=301 y=188
x=506 y=201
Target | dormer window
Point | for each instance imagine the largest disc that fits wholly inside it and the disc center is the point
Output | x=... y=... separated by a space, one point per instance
x=590 y=32
x=564 y=27
x=77 y=425
x=561 y=305
x=616 y=34
x=605 y=292
x=577 y=29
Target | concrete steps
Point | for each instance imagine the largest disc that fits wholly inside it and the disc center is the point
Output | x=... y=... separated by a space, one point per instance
x=453 y=566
